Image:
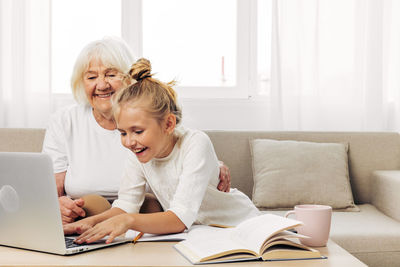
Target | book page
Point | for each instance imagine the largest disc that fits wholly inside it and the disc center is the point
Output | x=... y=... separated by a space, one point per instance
x=208 y=241
x=288 y=249
x=253 y=232
x=284 y=235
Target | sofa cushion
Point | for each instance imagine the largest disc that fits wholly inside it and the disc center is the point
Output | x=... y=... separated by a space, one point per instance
x=366 y=231
x=287 y=173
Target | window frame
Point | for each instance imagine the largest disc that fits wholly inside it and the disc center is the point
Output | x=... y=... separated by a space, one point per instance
x=246 y=52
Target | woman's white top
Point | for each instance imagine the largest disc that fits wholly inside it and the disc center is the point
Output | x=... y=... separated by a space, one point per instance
x=185 y=182
x=93 y=157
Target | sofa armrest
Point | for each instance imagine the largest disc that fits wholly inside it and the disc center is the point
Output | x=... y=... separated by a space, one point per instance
x=385 y=192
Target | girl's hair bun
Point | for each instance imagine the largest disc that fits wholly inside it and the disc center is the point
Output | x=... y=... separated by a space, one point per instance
x=140 y=70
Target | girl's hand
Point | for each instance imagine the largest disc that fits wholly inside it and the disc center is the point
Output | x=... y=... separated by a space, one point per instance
x=112 y=227
x=78 y=227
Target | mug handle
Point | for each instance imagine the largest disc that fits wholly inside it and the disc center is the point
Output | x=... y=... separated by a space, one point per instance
x=290 y=212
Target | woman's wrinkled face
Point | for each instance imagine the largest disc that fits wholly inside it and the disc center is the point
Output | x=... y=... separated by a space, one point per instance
x=100 y=84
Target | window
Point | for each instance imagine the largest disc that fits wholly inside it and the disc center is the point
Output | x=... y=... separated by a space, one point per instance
x=264 y=33
x=197 y=54
x=209 y=47
x=75 y=23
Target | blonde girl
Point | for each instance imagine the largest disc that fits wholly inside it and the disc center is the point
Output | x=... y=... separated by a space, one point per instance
x=179 y=164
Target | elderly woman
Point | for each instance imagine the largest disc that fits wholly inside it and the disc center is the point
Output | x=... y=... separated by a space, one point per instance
x=82 y=139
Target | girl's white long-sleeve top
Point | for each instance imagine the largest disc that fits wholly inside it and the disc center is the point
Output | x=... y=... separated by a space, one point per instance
x=185 y=182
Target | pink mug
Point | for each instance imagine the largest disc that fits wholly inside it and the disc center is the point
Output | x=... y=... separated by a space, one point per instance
x=317 y=223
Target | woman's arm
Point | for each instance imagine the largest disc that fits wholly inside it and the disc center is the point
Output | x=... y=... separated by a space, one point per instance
x=54 y=145
x=60 y=179
x=70 y=209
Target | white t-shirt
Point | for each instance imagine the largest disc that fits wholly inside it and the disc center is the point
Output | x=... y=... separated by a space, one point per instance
x=93 y=157
x=185 y=182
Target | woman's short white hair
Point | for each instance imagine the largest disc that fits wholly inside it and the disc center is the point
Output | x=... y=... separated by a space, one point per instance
x=113 y=52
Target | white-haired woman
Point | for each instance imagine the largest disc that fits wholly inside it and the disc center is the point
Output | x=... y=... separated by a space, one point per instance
x=82 y=139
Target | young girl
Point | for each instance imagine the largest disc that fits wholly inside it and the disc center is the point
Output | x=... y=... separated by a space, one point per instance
x=179 y=164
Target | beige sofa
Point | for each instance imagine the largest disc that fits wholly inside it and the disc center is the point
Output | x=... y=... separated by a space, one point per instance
x=372 y=234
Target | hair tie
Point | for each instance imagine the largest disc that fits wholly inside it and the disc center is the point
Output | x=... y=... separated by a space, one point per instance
x=144 y=77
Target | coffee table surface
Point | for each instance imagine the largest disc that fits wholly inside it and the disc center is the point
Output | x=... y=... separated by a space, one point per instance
x=156 y=254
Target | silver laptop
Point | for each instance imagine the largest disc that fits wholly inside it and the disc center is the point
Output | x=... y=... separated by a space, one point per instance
x=29 y=211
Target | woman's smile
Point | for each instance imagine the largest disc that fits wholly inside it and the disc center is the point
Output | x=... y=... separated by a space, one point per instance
x=107 y=95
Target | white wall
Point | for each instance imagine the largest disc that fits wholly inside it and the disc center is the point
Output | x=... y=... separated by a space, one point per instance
x=225 y=114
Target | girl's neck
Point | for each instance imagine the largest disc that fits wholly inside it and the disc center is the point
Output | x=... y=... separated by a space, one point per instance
x=170 y=146
x=104 y=120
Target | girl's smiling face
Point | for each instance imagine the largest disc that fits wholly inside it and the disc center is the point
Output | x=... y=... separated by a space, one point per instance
x=143 y=134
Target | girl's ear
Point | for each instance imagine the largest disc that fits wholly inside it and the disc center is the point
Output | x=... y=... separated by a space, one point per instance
x=170 y=123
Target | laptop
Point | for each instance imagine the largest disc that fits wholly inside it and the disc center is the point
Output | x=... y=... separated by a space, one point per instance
x=30 y=217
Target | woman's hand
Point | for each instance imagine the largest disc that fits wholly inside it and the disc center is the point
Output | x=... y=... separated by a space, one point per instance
x=224 y=178
x=71 y=209
x=79 y=227
x=112 y=227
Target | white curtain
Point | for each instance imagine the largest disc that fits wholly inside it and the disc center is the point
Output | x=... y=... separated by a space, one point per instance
x=335 y=65
x=24 y=63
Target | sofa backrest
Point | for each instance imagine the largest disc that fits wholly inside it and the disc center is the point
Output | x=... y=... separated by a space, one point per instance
x=21 y=139
x=368 y=151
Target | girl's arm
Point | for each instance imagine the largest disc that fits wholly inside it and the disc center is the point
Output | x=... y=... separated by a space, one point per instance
x=87 y=223
x=199 y=163
x=130 y=198
x=155 y=223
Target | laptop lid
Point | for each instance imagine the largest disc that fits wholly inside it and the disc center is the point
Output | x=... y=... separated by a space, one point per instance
x=29 y=211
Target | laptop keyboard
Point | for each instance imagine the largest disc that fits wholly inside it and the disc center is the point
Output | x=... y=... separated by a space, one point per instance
x=69 y=242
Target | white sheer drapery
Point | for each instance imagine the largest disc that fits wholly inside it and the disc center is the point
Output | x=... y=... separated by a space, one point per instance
x=24 y=63
x=335 y=65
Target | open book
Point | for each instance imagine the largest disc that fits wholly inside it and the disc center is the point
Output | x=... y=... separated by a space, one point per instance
x=264 y=237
